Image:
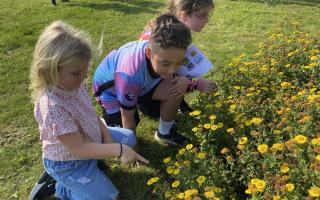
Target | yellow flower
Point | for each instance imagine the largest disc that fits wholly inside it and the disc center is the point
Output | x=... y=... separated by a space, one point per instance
x=189 y=146
x=232 y=107
x=248 y=191
x=212 y=117
x=285 y=177
x=248 y=123
x=206 y=126
x=175 y=184
x=314 y=192
x=260 y=185
x=289 y=187
x=225 y=150
x=201 y=179
x=254 y=181
x=209 y=194
x=262 y=148
x=277 y=146
x=249 y=94
x=305 y=118
x=220 y=125
x=243 y=140
x=180 y=195
x=276 y=132
x=311 y=65
x=176 y=171
x=285 y=84
x=166 y=160
x=240 y=147
x=243 y=69
x=214 y=127
x=201 y=155
x=218 y=104
x=313 y=97
x=195 y=113
x=251 y=189
x=153 y=180
x=237 y=87
x=318 y=158
x=230 y=130
x=273 y=62
x=300 y=139
x=276 y=197
x=217 y=189
x=313 y=57
x=284 y=168
x=264 y=68
x=194 y=129
x=301 y=93
x=191 y=192
x=167 y=194
x=182 y=151
x=256 y=120
x=186 y=162
x=170 y=170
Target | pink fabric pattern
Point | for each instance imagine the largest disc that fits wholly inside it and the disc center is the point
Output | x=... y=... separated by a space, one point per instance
x=59 y=112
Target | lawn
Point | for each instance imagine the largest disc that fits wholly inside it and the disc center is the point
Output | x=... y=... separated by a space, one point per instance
x=235 y=27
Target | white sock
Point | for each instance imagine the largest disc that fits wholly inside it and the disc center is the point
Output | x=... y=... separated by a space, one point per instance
x=164 y=127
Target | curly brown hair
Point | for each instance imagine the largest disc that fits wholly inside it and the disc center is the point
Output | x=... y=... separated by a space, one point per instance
x=167 y=31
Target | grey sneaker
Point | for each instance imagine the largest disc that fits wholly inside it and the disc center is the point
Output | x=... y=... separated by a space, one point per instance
x=173 y=137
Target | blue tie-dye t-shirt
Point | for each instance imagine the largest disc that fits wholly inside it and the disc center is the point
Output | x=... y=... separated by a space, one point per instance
x=130 y=70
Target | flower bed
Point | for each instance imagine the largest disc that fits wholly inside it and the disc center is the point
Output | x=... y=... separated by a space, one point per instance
x=257 y=137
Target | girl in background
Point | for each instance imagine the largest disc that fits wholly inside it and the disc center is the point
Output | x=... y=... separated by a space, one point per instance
x=195 y=15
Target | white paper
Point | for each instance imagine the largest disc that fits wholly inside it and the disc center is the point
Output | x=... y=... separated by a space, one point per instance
x=196 y=64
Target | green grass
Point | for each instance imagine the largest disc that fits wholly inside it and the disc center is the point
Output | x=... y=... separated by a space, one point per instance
x=235 y=27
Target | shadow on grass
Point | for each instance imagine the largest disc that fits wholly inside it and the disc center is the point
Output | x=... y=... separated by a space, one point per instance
x=132 y=182
x=155 y=152
x=287 y=2
x=132 y=185
x=133 y=7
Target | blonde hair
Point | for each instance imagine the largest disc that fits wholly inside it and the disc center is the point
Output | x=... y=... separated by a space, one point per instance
x=59 y=45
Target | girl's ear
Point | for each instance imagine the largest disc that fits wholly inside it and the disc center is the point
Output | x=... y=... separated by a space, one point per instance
x=148 y=53
x=182 y=16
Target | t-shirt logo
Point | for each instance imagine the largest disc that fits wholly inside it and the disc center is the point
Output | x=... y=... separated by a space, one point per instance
x=129 y=97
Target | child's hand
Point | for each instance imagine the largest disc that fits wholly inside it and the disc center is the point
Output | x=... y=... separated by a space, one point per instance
x=179 y=88
x=206 y=85
x=129 y=156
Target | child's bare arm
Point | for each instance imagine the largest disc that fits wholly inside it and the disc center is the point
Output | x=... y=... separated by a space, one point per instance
x=107 y=138
x=202 y=85
x=205 y=85
x=75 y=144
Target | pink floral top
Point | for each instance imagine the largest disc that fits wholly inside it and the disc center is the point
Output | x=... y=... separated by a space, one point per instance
x=59 y=112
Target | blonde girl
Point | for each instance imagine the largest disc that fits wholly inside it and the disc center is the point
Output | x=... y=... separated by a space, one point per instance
x=72 y=135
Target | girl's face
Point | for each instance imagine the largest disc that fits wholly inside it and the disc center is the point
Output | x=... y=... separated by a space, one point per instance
x=197 y=20
x=71 y=77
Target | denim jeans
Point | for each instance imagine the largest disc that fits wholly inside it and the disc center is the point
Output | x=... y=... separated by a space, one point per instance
x=82 y=179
